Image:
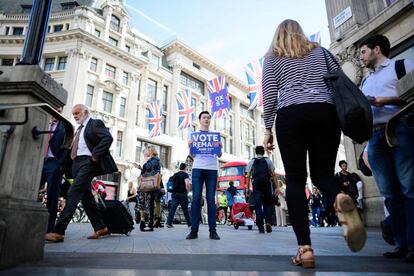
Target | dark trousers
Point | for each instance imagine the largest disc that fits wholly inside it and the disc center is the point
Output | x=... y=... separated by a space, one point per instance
x=262 y=206
x=182 y=200
x=311 y=129
x=52 y=174
x=83 y=170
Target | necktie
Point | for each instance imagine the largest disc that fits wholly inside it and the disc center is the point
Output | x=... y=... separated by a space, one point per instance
x=74 y=150
x=49 y=136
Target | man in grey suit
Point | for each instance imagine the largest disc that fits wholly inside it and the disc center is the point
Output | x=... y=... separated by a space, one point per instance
x=91 y=157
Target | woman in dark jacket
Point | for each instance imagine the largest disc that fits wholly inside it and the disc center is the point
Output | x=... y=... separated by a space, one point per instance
x=146 y=199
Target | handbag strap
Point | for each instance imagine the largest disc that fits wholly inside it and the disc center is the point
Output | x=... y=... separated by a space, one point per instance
x=325 y=52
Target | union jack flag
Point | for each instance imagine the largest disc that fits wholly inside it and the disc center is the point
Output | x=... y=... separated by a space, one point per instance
x=185 y=109
x=254 y=81
x=220 y=103
x=315 y=38
x=155 y=119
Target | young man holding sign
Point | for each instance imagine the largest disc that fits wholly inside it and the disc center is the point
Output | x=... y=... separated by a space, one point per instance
x=205 y=147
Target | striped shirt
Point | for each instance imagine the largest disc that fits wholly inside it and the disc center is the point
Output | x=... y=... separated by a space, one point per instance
x=291 y=81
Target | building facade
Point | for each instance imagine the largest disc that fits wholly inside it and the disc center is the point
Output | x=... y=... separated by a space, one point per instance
x=116 y=70
x=350 y=21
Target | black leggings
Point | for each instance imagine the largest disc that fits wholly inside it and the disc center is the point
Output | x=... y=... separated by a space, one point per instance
x=311 y=129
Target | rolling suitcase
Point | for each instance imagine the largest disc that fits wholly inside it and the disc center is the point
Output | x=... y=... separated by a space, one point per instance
x=116 y=217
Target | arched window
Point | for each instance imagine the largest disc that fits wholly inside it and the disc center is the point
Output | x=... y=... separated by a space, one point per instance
x=115 y=23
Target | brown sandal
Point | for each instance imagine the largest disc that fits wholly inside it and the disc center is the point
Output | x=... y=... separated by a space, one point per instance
x=304 y=257
x=348 y=216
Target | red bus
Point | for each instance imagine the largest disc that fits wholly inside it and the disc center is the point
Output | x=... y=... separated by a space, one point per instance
x=232 y=171
x=236 y=172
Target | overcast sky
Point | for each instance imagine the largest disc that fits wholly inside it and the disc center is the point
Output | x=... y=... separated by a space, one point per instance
x=231 y=33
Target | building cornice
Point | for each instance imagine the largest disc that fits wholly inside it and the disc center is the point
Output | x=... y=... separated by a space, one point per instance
x=83 y=36
x=179 y=46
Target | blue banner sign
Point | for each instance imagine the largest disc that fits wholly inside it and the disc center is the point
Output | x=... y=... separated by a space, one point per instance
x=205 y=143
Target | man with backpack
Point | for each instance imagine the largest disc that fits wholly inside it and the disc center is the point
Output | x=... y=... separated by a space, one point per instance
x=180 y=188
x=393 y=168
x=261 y=172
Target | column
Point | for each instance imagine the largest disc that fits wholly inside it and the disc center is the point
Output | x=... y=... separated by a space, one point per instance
x=142 y=103
x=173 y=120
x=123 y=32
x=237 y=131
x=107 y=14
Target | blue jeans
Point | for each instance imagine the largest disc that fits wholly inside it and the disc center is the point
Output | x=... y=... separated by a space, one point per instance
x=182 y=200
x=393 y=170
x=199 y=177
x=262 y=207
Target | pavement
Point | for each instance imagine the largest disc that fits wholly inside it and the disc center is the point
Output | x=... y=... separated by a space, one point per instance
x=239 y=252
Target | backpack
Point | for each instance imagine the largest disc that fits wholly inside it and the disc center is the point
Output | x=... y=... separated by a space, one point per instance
x=352 y=107
x=170 y=184
x=260 y=173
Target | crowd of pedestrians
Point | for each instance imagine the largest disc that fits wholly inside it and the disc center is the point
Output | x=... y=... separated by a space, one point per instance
x=299 y=107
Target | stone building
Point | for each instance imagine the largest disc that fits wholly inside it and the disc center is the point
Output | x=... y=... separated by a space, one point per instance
x=350 y=21
x=113 y=68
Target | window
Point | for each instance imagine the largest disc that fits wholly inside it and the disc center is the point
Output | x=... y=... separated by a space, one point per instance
x=48 y=29
x=49 y=64
x=62 y=63
x=137 y=116
x=192 y=83
x=125 y=77
x=94 y=64
x=128 y=48
x=194 y=105
x=69 y=5
x=7 y=31
x=138 y=151
x=26 y=8
x=164 y=124
x=67 y=26
x=113 y=41
x=57 y=28
x=115 y=23
x=196 y=66
x=244 y=110
x=151 y=91
x=97 y=33
x=7 y=62
x=146 y=122
x=89 y=95
x=122 y=107
x=164 y=98
x=155 y=61
x=231 y=145
x=107 y=99
x=110 y=71
x=18 y=31
x=118 y=148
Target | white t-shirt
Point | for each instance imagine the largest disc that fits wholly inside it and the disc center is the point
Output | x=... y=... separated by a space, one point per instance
x=204 y=161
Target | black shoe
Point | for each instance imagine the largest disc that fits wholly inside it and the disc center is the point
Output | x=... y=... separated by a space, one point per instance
x=142 y=225
x=214 y=236
x=148 y=229
x=169 y=225
x=410 y=256
x=399 y=253
x=261 y=229
x=192 y=236
x=268 y=228
x=387 y=234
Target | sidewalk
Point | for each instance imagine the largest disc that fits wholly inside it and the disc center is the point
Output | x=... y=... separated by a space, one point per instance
x=239 y=252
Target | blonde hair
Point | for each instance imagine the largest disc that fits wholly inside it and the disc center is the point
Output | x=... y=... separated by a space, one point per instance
x=152 y=151
x=290 y=41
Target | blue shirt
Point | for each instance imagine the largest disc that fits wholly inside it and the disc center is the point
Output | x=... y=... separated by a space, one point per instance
x=383 y=83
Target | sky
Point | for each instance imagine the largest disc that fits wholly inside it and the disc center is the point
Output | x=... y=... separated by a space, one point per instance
x=230 y=33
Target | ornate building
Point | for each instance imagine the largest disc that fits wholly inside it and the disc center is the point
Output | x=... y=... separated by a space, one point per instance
x=113 y=68
x=350 y=21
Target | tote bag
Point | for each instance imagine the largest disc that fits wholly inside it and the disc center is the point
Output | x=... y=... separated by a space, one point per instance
x=149 y=183
x=352 y=107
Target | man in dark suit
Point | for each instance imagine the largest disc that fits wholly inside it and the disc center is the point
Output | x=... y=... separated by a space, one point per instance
x=52 y=172
x=91 y=157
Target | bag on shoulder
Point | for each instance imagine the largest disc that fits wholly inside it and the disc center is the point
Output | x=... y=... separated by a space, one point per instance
x=170 y=184
x=260 y=175
x=352 y=107
x=149 y=183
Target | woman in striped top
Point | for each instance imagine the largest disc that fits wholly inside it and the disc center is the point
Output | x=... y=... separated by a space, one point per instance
x=294 y=90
